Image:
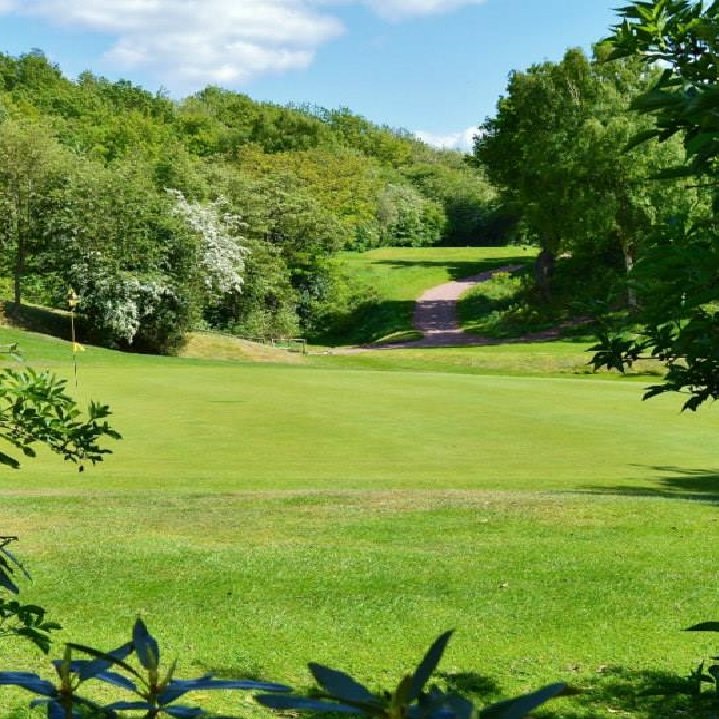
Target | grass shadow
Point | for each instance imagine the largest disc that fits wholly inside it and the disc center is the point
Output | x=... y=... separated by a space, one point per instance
x=367 y=323
x=249 y=671
x=459 y=269
x=469 y=683
x=480 y=688
x=623 y=692
x=696 y=485
x=34 y=318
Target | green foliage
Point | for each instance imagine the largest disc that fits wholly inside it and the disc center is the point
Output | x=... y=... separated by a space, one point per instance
x=122 y=309
x=267 y=306
x=156 y=691
x=468 y=200
x=676 y=281
x=407 y=219
x=33 y=170
x=342 y=694
x=682 y=35
x=557 y=150
x=35 y=408
x=86 y=166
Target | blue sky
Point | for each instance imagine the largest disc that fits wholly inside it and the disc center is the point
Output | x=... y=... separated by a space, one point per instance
x=435 y=67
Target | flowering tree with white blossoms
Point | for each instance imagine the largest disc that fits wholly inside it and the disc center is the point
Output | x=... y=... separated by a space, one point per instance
x=120 y=304
x=221 y=251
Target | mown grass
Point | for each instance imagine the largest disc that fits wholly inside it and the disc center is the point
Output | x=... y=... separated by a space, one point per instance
x=391 y=278
x=260 y=516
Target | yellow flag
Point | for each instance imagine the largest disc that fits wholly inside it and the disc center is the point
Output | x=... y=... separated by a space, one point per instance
x=72 y=299
x=77 y=347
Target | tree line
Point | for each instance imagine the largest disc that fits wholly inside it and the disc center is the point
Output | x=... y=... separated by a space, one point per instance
x=143 y=204
x=609 y=164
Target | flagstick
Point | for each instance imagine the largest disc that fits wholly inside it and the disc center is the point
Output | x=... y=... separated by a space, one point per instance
x=72 y=301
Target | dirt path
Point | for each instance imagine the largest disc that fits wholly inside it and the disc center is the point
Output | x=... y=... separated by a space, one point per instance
x=435 y=312
x=435 y=315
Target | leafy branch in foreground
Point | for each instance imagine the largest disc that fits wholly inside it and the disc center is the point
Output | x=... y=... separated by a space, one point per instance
x=680 y=305
x=35 y=408
x=677 y=322
x=156 y=691
x=702 y=674
x=341 y=693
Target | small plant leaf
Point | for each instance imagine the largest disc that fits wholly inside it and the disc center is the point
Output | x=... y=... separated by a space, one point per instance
x=342 y=686
x=400 y=697
x=519 y=707
x=437 y=705
x=169 y=673
x=129 y=706
x=29 y=681
x=118 y=680
x=146 y=648
x=55 y=710
x=285 y=701
x=104 y=660
x=462 y=708
x=182 y=686
x=428 y=665
x=183 y=712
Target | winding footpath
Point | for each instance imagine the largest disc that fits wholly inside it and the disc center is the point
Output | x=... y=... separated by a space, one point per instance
x=435 y=312
x=435 y=315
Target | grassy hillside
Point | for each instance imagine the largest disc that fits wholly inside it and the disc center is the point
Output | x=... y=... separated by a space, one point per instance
x=262 y=515
x=391 y=278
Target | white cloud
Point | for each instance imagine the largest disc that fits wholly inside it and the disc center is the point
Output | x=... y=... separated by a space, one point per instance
x=189 y=43
x=463 y=140
x=398 y=9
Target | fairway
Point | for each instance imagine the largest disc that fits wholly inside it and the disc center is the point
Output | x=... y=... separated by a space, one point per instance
x=268 y=427
x=260 y=516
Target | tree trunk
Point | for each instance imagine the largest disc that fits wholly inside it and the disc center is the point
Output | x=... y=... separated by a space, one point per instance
x=19 y=270
x=544 y=270
x=629 y=265
x=22 y=228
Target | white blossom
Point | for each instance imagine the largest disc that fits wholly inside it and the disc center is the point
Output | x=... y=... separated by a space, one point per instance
x=221 y=252
x=118 y=303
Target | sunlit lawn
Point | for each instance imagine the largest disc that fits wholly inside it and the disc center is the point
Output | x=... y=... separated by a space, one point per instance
x=260 y=516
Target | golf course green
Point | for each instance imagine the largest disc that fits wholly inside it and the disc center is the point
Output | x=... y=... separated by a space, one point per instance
x=346 y=509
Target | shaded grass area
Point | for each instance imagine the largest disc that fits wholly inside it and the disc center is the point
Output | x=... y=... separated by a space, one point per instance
x=558 y=358
x=482 y=308
x=35 y=318
x=499 y=308
x=393 y=278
